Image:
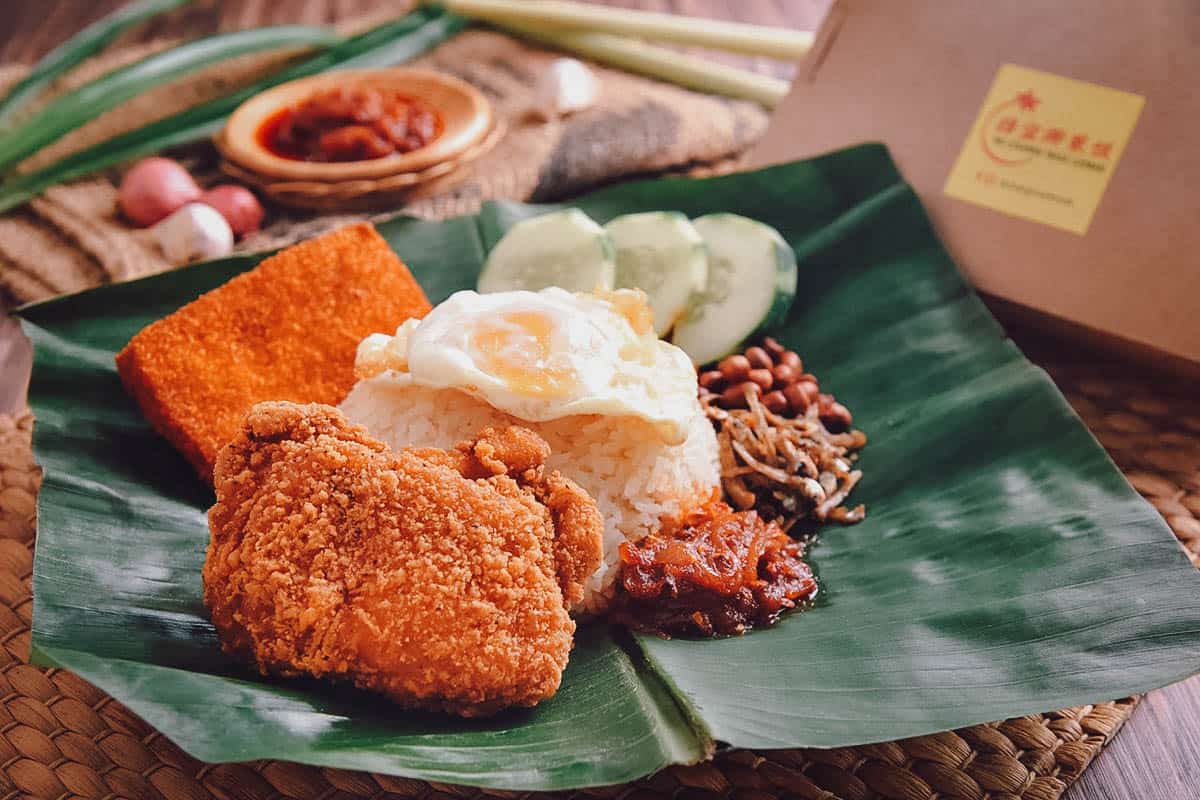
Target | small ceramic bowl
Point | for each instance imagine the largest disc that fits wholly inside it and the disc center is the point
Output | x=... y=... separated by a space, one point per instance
x=466 y=117
x=368 y=194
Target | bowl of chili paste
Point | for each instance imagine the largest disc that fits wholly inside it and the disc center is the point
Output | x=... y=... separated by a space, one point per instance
x=356 y=124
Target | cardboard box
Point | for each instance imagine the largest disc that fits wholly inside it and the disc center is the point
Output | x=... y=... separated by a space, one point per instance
x=929 y=80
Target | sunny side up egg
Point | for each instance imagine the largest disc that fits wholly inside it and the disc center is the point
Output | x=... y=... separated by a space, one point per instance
x=544 y=355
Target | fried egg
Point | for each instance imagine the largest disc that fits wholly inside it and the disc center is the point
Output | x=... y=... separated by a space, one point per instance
x=544 y=355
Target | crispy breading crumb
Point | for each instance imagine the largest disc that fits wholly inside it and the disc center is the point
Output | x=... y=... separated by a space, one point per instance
x=438 y=578
x=286 y=330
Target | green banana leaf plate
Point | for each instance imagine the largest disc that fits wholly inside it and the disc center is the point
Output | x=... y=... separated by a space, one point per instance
x=1005 y=566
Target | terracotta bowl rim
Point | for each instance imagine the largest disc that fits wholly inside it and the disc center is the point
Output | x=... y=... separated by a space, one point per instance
x=239 y=143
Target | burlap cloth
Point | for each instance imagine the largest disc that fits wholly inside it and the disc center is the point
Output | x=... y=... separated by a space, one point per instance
x=71 y=238
x=60 y=737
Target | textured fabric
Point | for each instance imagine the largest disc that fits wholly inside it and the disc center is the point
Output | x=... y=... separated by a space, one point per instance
x=72 y=237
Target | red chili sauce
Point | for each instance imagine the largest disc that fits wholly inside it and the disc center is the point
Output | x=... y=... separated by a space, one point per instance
x=717 y=572
x=350 y=124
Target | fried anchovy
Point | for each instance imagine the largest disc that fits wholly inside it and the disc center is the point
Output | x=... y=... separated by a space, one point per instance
x=789 y=469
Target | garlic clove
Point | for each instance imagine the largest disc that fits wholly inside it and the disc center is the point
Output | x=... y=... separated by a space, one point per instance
x=194 y=232
x=566 y=87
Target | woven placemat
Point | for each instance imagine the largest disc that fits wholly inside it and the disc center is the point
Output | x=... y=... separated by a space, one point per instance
x=61 y=737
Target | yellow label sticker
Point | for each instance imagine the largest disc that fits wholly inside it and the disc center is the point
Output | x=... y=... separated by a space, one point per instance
x=1044 y=147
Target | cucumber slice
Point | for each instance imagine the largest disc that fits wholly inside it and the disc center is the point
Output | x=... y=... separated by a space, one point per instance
x=751 y=285
x=662 y=254
x=563 y=248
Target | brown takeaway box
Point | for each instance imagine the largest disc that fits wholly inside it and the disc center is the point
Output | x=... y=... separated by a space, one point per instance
x=916 y=76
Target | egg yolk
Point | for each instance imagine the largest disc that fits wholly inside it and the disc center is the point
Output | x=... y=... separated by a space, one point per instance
x=514 y=347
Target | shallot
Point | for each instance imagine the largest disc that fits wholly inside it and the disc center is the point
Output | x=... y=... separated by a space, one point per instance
x=153 y=189
x=237 y=205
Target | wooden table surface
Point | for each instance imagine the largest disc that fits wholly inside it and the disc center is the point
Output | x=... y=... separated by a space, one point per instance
x=1156 y=755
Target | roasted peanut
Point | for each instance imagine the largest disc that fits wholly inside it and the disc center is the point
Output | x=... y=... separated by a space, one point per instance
x=797 y=398
x=810 y=389
x=777 y=375
x=775 y=402
x=772 y=346
x=735 y=396
x=836 y=417
x=735 y=367
x=759 y=358
x=801 y=395
x=784 y=375
x=762 y=377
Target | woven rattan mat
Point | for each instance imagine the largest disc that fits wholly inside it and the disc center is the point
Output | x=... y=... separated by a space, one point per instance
x=60 y=737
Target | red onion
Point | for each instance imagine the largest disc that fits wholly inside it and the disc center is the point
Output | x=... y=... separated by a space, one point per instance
x=154 y=189
x=237 y=205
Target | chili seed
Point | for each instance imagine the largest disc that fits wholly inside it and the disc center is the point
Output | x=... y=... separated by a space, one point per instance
x=759 y=358
x=735 y=368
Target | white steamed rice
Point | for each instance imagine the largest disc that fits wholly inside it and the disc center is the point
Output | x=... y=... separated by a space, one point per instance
x=620 y=461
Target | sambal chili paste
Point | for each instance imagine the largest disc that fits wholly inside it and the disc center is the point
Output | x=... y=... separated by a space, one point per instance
x=715 y=572
x=350 y=124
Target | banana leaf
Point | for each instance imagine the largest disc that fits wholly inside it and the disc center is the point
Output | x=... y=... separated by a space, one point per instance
x=65 y=113
x=386 y=45
x=75 y=50
x=1005 y=567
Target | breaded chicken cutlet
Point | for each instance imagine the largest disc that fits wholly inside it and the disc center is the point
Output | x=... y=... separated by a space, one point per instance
x=440 y=579
x=286 y=330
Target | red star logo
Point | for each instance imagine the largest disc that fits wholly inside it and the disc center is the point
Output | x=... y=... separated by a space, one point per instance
x=1028 y=101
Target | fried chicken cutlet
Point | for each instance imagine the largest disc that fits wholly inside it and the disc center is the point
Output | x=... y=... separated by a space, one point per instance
x=286 y=330
x=440 y=579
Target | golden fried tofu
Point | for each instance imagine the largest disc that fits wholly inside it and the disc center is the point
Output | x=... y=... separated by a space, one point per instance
x=440 y=579
x=286 y=330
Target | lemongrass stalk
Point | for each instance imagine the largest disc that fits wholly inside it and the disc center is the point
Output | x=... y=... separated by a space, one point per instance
x=734 y=37
x=658 y=62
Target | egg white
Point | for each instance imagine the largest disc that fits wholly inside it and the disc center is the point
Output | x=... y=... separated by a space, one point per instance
x=544 y=355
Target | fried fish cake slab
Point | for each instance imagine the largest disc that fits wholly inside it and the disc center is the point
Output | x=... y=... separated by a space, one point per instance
x=286 y=330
